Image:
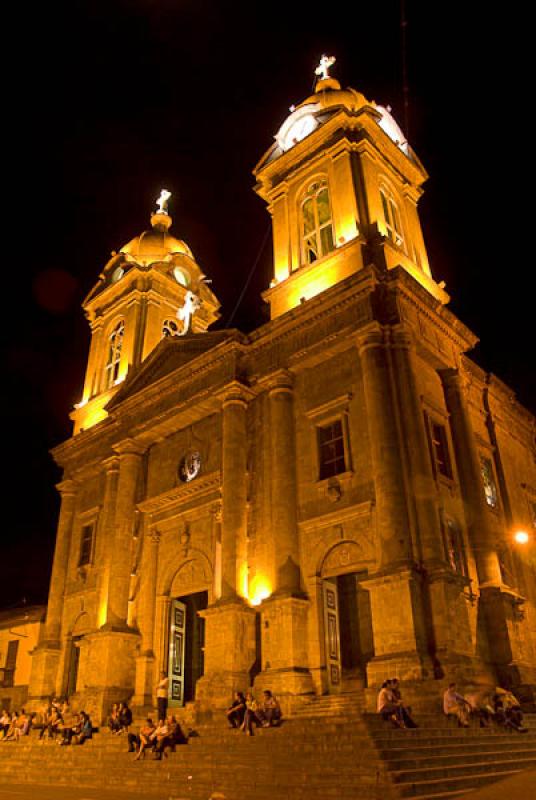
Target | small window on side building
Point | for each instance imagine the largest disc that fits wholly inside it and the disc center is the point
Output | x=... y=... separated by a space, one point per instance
x=488 y=482
x=331 y=455
x=86 y=546
x=439 y=448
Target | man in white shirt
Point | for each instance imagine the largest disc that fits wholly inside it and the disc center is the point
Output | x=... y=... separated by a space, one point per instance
x=456 y=704
x=162 y=690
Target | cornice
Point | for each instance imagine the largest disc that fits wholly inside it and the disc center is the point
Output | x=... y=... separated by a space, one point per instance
x=197 y=489
x=336 y=517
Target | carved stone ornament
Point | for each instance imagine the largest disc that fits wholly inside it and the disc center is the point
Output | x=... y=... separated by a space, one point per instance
x=189 y=466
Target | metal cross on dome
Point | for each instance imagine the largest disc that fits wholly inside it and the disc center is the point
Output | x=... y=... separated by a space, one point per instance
x=162 y=202
x=323 y=68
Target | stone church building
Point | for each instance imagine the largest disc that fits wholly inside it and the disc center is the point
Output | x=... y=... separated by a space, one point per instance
x=315 y=506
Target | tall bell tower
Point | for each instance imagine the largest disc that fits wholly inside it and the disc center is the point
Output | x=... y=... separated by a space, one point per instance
x=133 y=306
x=339 y=177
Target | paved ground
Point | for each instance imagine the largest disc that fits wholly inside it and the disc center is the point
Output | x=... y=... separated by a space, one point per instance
x=520 y=787
x=33 y=792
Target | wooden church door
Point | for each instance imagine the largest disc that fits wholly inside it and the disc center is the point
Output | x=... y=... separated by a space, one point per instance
x=177 y=648
x=332 y=634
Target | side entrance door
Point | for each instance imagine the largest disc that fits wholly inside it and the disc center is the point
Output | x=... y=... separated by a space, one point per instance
x=177 y=648
x=332 y=635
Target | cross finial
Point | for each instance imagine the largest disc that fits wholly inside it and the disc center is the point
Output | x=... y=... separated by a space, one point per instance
x=162 y=202
x=323 y=68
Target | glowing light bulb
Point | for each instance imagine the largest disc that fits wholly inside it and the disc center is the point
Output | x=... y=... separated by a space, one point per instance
x=259 y=589
x=521 y=537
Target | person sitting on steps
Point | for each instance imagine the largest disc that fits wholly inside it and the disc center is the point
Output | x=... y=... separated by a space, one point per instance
x=125 y=717
x=388 y=707
x=269 y=712
x=405 y=711
x=455 y=704
x=174 y=737
x=113 y=719
x=236 y=711
x=135 y=740
x=250 y=717
x=508 y=711
x=149 y=741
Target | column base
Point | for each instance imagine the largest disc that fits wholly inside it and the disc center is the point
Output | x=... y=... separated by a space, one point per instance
x=285 y=663
x=230 y=654
x=107 y=671
x=145 y=681
x=399 y=628
x=45 y=662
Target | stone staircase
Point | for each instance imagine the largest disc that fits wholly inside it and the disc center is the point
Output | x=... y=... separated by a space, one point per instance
x=439 y=760
x=329 y=750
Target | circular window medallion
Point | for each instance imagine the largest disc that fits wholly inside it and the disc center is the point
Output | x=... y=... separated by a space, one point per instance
x=117 y=274
x=189 y=466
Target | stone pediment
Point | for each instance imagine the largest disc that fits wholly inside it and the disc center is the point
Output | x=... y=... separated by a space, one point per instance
x=169 y=355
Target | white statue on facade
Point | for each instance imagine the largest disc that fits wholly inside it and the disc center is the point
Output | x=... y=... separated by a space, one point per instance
x=162 y=202
x=192 y=303
x=323 y=68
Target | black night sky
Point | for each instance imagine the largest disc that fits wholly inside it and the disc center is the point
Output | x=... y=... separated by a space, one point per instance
x=105 y=102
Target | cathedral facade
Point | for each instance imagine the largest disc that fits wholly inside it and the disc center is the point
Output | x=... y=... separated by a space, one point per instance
x=313 y=507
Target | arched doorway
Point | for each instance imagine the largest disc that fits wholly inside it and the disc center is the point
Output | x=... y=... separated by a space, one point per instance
x=185 y=647
x=80 y=627
x=349 y=643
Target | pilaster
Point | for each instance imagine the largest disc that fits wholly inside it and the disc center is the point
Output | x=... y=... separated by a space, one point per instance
x=145 y=661
x=130 y=460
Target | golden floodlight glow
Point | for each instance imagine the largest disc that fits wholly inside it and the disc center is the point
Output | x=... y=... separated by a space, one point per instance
x=259 y=590
x=521 y=537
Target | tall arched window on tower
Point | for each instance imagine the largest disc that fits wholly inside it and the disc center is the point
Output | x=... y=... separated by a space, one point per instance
x=317 y=228
x=115 y=344
x=391 y=216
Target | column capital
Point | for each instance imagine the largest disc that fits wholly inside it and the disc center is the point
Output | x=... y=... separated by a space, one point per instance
x=370 y=336
x=451 y=378
x=67 y=487
x=155 y=536
x=402 y=338
x=216 y=511
x=280 y=381
x=236 y=393
x=129 y=447
x=111 y=464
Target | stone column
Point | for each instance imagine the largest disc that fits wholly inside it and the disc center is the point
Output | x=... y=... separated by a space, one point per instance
x=67 y=490
x=496 y=602
x=106 y=533
x=234 y=494
x=230 y=622
x=46 y=656
x=476 y=512
x=395 y=591
x=284 y=615
x=418 y=454
x=392 y=523
x=145 y=661
x=130 y=459
x=284 y=483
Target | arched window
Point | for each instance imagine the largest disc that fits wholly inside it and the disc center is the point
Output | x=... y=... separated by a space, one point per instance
x=115 y=344
x=169 y=328
x=317 y=228
x=391 y=217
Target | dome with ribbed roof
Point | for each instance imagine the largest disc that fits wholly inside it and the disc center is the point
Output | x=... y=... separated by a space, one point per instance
x=155 y=245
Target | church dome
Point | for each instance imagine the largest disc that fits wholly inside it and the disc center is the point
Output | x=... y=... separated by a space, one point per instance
x=155 y=245
x=328 y=94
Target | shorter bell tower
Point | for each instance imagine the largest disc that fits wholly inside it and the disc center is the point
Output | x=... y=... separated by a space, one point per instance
x=339 y=178
x=151 y=289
